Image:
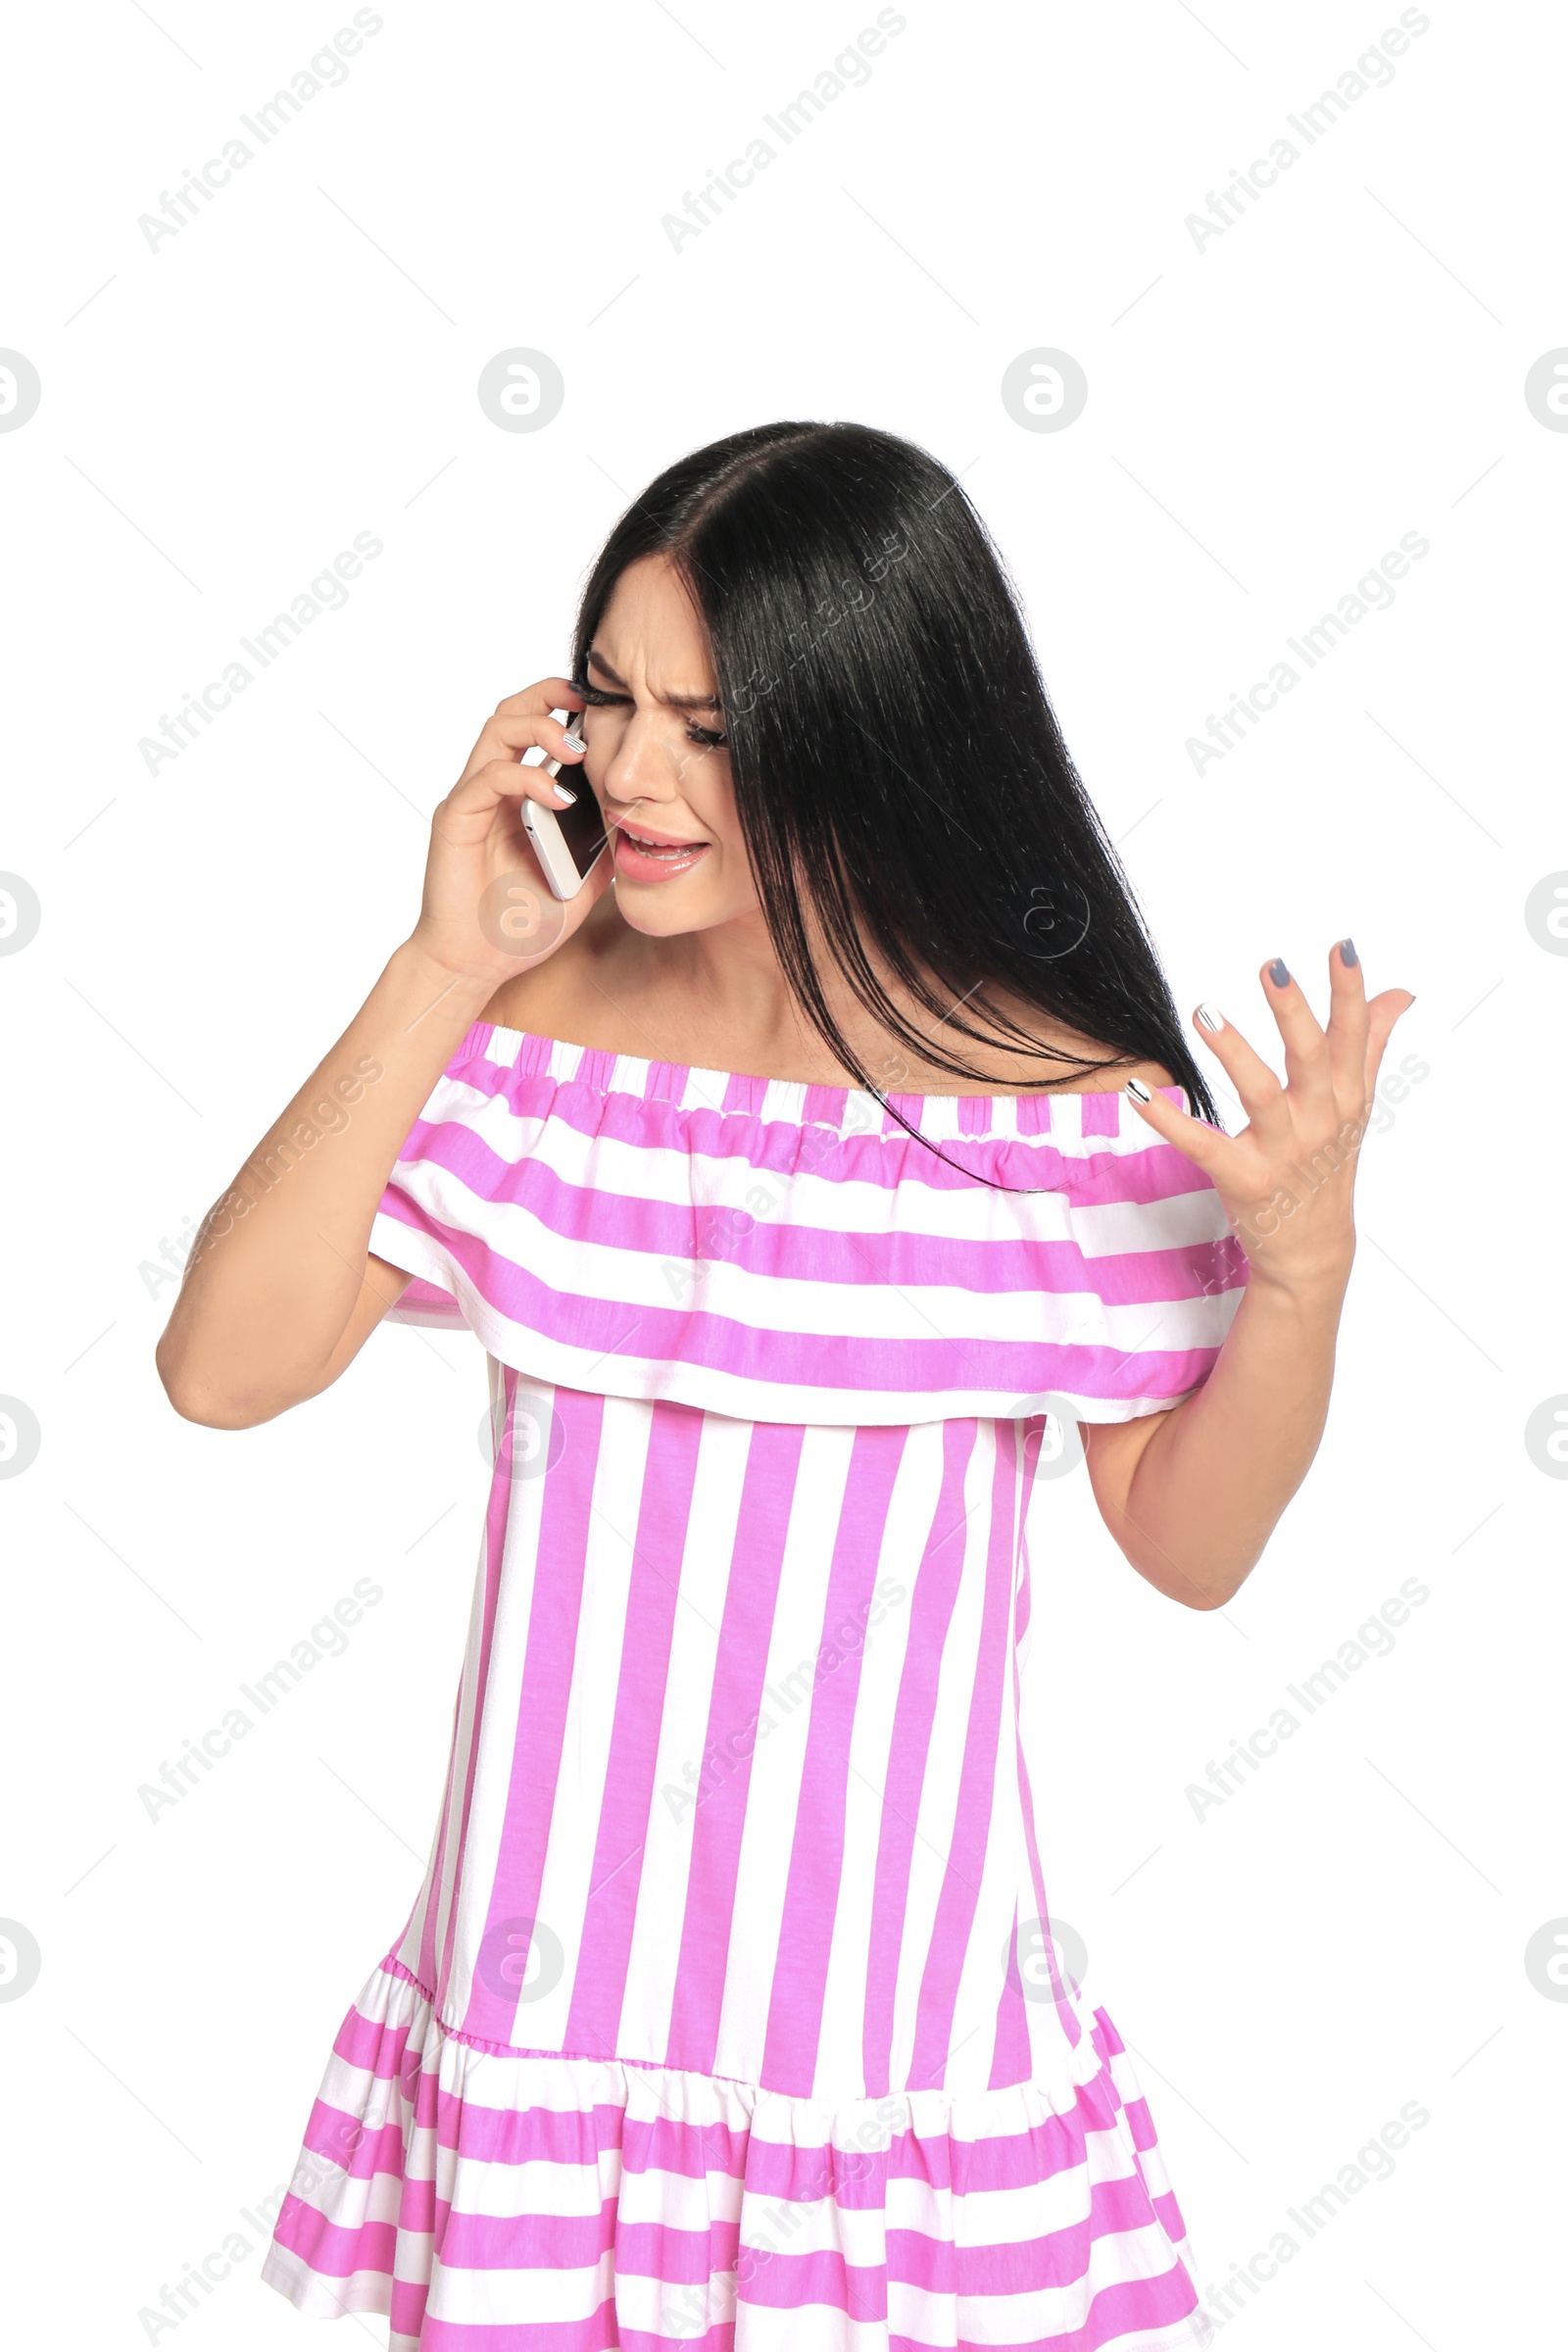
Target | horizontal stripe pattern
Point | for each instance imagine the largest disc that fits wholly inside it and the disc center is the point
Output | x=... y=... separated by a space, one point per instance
x=791 y=1253
x=482 y=2200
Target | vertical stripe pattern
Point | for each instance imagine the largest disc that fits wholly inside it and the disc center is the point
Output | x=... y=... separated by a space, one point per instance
x=727 y=2012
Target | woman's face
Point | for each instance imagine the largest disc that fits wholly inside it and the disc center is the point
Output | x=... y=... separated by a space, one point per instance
x=657 y=759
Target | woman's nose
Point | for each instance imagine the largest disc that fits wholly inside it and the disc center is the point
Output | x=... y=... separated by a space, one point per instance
x=644 y=766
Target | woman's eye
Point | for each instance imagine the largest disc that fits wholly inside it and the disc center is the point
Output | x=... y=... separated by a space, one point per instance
x=711 y=739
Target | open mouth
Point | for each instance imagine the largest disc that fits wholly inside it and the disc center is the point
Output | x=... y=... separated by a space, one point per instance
x=651 y=857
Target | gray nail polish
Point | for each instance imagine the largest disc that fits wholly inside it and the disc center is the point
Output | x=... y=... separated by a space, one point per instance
x=1348 y=953
x=573 y=743
x=1278 y=972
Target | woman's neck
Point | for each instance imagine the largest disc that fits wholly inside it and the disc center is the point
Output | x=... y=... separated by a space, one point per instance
x=718 y=999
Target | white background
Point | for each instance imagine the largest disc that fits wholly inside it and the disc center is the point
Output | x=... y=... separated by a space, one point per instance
x=1266 y=416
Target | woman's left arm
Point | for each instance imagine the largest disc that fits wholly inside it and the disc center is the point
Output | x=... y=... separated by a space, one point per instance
x=1192 y=1495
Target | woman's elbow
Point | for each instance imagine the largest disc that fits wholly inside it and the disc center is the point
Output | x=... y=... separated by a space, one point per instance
x=200 y=1398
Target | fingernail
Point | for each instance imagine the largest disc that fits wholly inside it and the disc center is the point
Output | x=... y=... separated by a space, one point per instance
x=573 y=743
x=1278 y=972
x=1348 y=953
x=561 y=794
x=1209 y=1017
x=1137 y=1088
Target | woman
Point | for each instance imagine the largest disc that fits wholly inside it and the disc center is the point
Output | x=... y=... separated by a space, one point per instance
x=834 y=1146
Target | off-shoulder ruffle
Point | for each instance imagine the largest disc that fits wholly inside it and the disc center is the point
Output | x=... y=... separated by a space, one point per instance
x=790 y=1253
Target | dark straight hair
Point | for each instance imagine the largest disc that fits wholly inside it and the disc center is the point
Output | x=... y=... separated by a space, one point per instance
x=901 y=781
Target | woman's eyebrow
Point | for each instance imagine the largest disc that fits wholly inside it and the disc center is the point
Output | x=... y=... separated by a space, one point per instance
x=676 y=702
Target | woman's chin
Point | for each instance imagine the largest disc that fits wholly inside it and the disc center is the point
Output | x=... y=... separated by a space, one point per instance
x=665 y=910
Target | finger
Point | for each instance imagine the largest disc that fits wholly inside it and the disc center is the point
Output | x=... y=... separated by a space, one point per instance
x=1203 y=1145
x=545 y=694
x=560 y=740
x=503 y=738
x=1255 y=1081
x=1307 y=1071
x=502 y=779
x=1382 y=1013
x=1349 y=1027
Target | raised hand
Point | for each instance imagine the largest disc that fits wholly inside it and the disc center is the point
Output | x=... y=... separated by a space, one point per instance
x=1287 y=1179
x=487 y=911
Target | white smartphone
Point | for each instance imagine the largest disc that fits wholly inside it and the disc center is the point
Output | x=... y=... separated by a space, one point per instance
x=567 y=842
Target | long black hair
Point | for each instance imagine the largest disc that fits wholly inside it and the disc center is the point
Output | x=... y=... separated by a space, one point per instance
x=901 y=781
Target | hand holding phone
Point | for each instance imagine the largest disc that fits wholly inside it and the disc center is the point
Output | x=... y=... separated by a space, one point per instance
x=567 y=842
x=488 y=909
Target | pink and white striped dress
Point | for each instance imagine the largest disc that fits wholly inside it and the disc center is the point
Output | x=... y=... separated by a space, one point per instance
x=728 y=2013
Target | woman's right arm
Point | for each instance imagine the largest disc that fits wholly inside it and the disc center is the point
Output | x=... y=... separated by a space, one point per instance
x=280 y=1291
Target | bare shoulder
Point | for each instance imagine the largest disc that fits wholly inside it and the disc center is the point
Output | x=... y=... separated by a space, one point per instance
x=1110 y=1078
x=1073 y=1065
x=1060 y=1060
x=1026 y=1073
